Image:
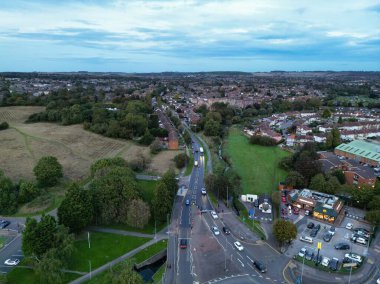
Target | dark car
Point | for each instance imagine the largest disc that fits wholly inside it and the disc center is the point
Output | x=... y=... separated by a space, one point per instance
x=260 y=266
x=4 y=224
x=183 y=244
x=296 y=211
x=318 y=227
x=256 y=203
x=318 y=259
x=313 y=233
x=226 y=230
x=334 y=264
x=309 y=255
x=327 y=237
x=342 y=246
x=310 y=225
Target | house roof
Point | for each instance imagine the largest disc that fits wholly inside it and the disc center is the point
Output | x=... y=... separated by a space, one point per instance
x=368 y=150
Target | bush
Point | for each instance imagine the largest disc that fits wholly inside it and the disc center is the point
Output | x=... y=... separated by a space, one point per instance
x=4 y=125
x=262 y=140
x=28 y=191
x=181 y=160
x=48 y=171
x=155 y=147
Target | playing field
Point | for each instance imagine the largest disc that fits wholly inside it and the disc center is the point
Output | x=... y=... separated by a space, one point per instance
x=257 y=165
x=76 y=149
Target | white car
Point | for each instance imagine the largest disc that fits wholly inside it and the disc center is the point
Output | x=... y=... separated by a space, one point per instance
x=214 y=215
x=238 y=246
x=203 y=191
x=349 y=226
x=378 y=281
x=12 y=261
x=306 y=239
x=325 y=261
x=354 y=257
x=216 y=231
x=302 y=252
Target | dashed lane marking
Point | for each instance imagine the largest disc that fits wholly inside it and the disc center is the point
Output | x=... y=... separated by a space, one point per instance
x=242 y=264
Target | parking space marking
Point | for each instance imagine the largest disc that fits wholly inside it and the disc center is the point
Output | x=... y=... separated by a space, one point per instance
x=242 y=264
x=249 y=258
x=240 y=255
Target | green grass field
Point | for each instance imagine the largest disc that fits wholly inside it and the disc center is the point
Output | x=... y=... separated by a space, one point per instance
x=147 y=188
x=104 y=248
x=2 y=241
x=256 y=165
x=25 y=275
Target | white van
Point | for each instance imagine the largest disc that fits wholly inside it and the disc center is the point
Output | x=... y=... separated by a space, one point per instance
x=195 y=163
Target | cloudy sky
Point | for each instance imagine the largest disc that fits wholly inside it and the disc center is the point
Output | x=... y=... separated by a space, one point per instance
x=194 y=35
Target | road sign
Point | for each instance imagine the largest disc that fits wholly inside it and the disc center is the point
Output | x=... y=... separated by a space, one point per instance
x=319 y=245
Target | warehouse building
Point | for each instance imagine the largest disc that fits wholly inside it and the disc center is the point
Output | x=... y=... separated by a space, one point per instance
x=364 y=151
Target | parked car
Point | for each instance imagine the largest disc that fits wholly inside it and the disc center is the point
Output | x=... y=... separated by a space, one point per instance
x=318 y=227
x=216 y=231
x=334 y=264
x=310 y=225
x=238 y=246
x=256 y=202
x=283 y=199
x=226 y=230
x=183 y=244
x=260 y=266
x=317 y=259
x=362 y=232
x=332 y=231
x=325 y=261
x=359 y=239
x=327 y=237
x=308 y=212
x=306 y=239
x=302 y=252
x=313 y=233
x=12 y=261
x=342 y=246
x=4 y=224
x=349 y=226
x=309 y=255
x=354 y=257
x=296 y=211
x=214 y=215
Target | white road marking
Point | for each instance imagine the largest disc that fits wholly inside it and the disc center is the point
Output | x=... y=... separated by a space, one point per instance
x=240 y=255
x=242 y=264
x=249 y=258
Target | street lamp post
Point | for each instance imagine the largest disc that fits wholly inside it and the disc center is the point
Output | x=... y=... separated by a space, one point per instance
x=349 y=277
x=303 y=264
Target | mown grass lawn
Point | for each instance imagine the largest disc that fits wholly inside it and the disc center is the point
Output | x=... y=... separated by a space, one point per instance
x=25 y=275
x=147 y=188
x=256 y=165
x=104 y=248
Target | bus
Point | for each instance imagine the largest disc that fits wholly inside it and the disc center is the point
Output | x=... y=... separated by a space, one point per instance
x=201 y=150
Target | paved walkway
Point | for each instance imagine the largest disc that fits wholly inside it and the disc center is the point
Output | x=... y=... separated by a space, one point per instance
x=106 y=266
x=127 y=233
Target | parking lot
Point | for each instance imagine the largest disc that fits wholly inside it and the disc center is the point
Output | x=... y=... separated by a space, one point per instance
x=342 y=235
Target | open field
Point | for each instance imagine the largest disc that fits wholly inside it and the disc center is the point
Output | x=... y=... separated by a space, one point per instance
x=104 y=248
x=256 y=165
x=76 y=149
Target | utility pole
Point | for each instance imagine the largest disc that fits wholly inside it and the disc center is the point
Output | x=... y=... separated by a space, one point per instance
x=349 y=277
x=225 y=257
x=88 y=239
x=303 y=264
x=155 y=229
x=227 y=197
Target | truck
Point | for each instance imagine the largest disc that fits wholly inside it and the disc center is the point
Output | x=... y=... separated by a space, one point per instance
x=201 y=150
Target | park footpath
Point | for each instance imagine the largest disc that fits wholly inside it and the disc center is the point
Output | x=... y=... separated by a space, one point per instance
x=156 y=238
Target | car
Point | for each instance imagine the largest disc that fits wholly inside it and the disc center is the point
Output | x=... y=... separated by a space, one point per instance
x=238 y=246
x=313 y=233
x=318 y=227
x=302 y=252
x=378 y=281
x=214 y=215
x=309 y=255
x=4 y=224
x=354 y=256
x=259 y=266
x=332 y=230
x=327 y=237
x=216 y=231
x=183 y=244
x=296 y=211
x=310 y=225
x=203 y=191
x=283 y=199
x=334 y=264
x=195 y=163
x=12 y=261
x=306 y=239
x=307 y=212
x=226 y=230
x=349 y=226
x=362 y=232
x=256 y=202
x=325 y=261
x=187 y=202
x=317 y=258
x=360 y=240
x=342 y=246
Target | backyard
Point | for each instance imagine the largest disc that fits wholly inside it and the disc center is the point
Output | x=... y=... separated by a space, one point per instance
x=256 y=165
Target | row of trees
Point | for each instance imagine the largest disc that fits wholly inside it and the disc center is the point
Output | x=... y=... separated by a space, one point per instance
x=262 y=140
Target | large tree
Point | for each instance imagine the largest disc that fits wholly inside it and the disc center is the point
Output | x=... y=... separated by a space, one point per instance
x=161 y=202
x=138 y=213
x=295 y=179
x=48 y=171
x=8 y=195
x=284 y=231
x=373 y=217
x=76 y=210
x=28 y=191
x=126 y=275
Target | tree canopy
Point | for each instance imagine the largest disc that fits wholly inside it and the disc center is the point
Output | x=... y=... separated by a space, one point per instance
x=48 y=171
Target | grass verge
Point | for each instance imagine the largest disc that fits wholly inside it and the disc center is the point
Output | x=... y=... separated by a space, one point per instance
x=104 y=248
x=157 y=277
x=26 y=275
x=253 y=225
x=189 y=166
x=256 y=165
x=2 y=241
x=341 y=269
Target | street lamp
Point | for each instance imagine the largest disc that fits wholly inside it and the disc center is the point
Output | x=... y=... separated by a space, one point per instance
x=303 y=264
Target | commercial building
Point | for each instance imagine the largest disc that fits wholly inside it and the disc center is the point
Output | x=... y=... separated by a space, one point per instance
x=364 y=151
x=324 y=206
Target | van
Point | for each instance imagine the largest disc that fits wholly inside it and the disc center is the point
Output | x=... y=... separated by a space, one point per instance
x=195 y=163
